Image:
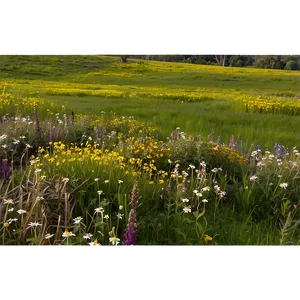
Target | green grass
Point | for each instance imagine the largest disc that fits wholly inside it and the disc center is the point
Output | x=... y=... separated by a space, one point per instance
x=198 y=99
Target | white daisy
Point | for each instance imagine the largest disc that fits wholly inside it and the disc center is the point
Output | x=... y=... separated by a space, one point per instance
x=114 y=240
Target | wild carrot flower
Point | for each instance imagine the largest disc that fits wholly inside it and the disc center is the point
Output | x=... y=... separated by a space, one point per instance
x=100 y=192
x=185 y=200
x=106 y=181
x=120 y=181
x=106 y=217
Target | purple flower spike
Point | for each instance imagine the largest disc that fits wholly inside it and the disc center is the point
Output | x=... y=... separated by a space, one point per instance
x=131 y=230
x=5 y=170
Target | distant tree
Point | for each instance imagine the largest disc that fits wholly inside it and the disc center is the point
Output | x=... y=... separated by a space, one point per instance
x=240 y=60
x=291 y=65
x=124 y=58
x=221 y=59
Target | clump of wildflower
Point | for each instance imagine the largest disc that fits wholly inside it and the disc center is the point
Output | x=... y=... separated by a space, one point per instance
x=131 y=229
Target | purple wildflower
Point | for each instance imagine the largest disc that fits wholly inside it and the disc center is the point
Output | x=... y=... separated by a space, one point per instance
x=231 y=143
x=280 y=150
x=97 y=133
x=131 y=230
x=36 y=119
x=5 y=170
x=58 y=134
x=51 y=134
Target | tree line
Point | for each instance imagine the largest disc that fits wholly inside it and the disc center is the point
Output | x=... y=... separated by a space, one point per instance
x=286 y=62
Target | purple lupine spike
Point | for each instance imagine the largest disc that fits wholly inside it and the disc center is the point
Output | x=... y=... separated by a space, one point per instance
x=97 y=133
x=5 y=170
x=232 y=143
x=131 y=229
x=236 y=145
x=50 y=133
x=58 y=134
x=36 y=119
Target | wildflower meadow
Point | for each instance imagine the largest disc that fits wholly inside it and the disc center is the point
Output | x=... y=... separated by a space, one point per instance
x=96 y=152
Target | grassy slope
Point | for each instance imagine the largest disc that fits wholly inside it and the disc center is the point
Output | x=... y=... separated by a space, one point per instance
x=145 y=89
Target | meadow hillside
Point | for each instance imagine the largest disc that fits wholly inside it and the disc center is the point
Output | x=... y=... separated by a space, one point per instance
x=94 y=151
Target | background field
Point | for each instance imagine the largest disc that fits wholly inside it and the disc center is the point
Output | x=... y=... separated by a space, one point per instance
x=259 y=107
